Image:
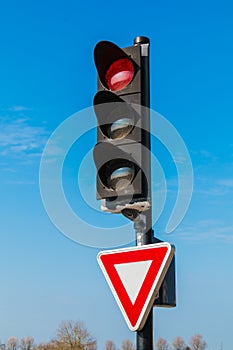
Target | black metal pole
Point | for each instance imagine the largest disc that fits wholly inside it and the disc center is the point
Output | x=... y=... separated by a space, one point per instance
x=143 y=225
x=145 y=336
x=144 y=236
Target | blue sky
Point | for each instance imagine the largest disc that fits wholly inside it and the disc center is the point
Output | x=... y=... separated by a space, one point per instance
x=48 y=74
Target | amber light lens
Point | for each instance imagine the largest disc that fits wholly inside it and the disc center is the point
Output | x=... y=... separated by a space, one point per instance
x=119 y=74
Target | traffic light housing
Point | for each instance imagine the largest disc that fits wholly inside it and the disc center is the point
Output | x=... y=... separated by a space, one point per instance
x=122 y=152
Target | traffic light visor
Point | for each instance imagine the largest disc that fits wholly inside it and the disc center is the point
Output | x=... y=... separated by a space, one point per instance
x=118 y=171
x=115 y=68
x=116 y=118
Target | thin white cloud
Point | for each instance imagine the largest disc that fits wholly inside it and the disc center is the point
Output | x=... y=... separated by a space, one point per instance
x=214 y=186
x=180 y=159
x=25 y=182
x=18 y=109
x=20 y=139
x=203 y=158
x=209 y=229
x=227 y=183
x=205 y=154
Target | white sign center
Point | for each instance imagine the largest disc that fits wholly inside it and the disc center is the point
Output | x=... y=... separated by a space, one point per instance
x=127 y=273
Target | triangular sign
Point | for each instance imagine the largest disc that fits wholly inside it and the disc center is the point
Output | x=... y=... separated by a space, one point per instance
x=135 y=276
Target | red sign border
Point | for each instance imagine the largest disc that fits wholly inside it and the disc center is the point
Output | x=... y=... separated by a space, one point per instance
x=136 y=315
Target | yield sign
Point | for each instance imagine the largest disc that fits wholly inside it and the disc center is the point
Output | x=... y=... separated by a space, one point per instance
x=134 y=276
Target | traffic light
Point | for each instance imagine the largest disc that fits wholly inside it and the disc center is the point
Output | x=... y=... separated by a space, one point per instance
x=122 y=152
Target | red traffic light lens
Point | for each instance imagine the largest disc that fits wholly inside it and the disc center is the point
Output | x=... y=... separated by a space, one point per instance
x=119 y=74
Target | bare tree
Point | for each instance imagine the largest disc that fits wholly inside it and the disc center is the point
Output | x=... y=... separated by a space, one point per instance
x=197 y=343
x=127 y=345
x=26 y=343
x=109 y=345
x=12 y=343
x=178 y=344
x=47 y=346
x=74 y=336
x=162 y=344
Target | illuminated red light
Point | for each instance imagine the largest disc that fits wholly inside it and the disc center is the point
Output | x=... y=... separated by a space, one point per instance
x=119 y=74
